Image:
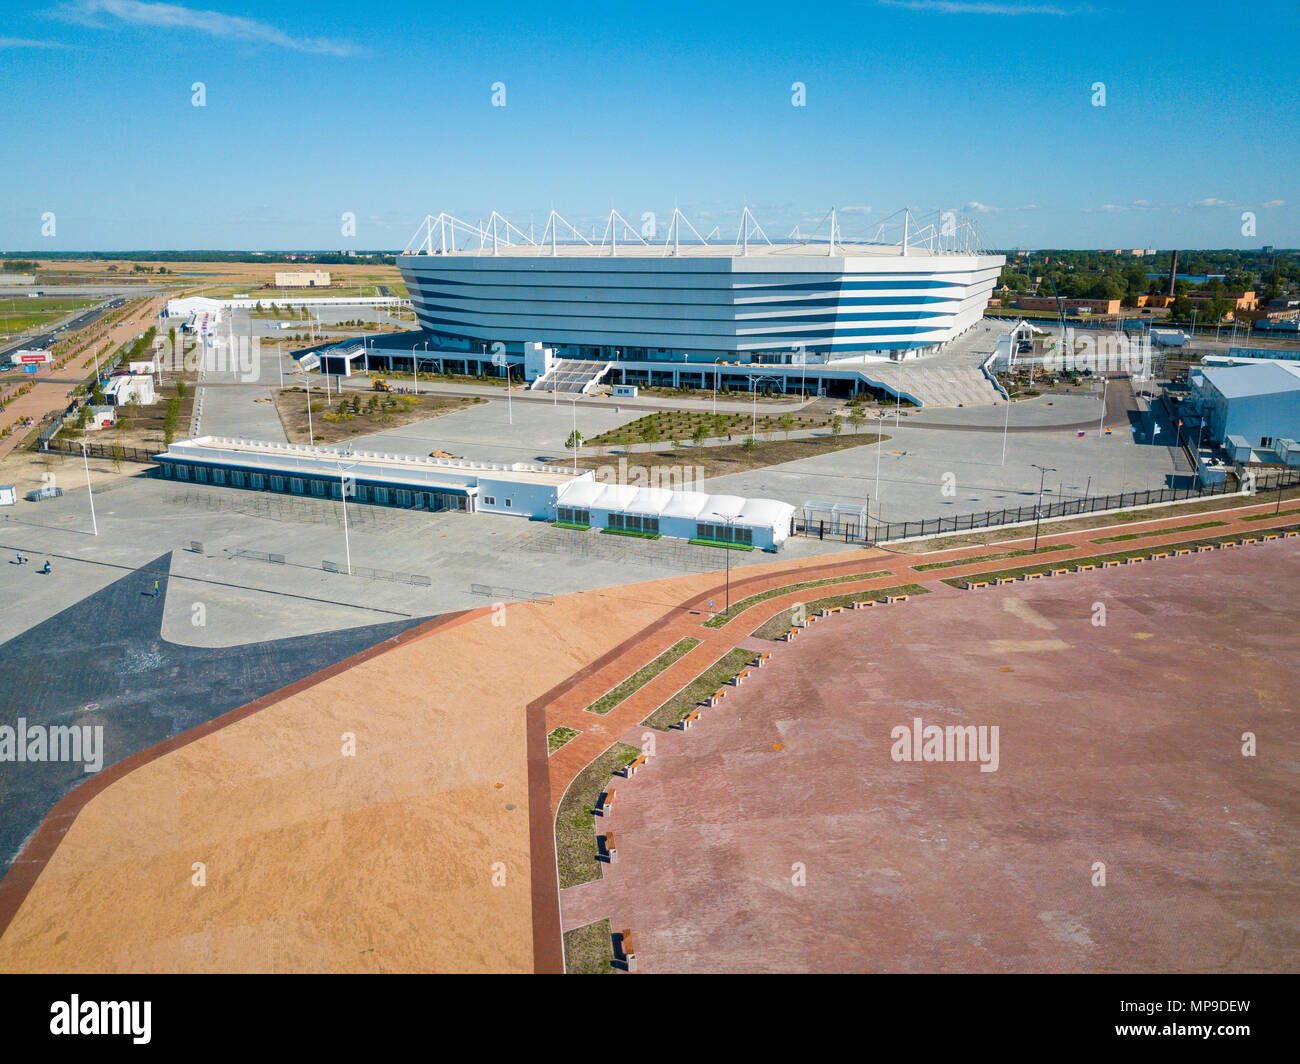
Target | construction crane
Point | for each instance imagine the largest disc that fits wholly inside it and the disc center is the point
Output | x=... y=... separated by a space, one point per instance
x=1060 y=314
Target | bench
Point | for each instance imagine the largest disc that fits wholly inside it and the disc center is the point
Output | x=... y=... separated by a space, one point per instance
x=609 y=847
x=891 y=599
x=1059 y=572
x=1004 y=580
x=762 y=659
x=740 y=677
x=1250 y=539
x=1271 y=535
x=1084 y=568
x=1288 y=535
x=715 y=698
x=640 y=762
x=864 y=605
x=1159 y=554
x=790 y=635
x=689 y=720
x=1201 y=548
x=971 y=585
x=1032 y=576
x=1135 y=559
x=1108 y=564
x=626 y=951
x=1182 y=550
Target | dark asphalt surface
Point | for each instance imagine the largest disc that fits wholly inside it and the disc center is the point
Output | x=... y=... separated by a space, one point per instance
x=106 y=652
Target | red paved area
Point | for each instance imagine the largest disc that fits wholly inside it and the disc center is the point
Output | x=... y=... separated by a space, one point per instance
x=1119 y=744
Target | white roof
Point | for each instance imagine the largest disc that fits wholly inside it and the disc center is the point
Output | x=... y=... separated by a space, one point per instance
x=765 y=513
x=580 y=493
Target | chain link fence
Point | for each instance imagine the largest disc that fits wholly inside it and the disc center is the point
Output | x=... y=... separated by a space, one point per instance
x=664 y=553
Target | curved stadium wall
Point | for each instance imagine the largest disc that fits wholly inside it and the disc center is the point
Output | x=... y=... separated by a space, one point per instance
x=683 y=309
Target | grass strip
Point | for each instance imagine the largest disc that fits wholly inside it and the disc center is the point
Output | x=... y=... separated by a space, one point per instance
x=589 y=949
x=575 y=821
x=631 y=532
x=570 y=524
x=1265 y=517
x=699 y=689
x=559 y=737
x=777 y=626
x=745 y=603
x=724 y=543
x=643 y=676
x=1098 y=559
x=986 y=558
x=1161 y=532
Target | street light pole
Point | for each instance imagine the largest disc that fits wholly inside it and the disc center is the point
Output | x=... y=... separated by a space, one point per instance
x=90 y=494
x=415 y=369
x=311 y=435
x=343 y=498
x=1101 y=425
x=730 y=538
x=1038 y=510
x=1006 y=425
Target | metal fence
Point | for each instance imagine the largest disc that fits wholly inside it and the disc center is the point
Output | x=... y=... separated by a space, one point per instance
x=259 y=556
x=414 y=579
x=513 y=594
x=115 y=451
x=288 y=508
x=850 y=532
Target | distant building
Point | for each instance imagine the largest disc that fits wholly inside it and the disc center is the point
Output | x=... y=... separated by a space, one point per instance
x=126 y=388
x=1076 y=306
x=302 y=279
x=17 y=279
x=1239 y=300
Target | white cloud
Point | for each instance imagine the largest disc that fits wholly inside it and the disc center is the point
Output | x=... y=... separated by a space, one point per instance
x=1274 y=203
x=1210 y=201
x=859 y=210
x=981 y=208
x=213 y=23
x=973 y=7
x=24 y=42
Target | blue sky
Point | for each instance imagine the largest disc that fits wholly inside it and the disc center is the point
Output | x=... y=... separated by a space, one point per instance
x=385 y=111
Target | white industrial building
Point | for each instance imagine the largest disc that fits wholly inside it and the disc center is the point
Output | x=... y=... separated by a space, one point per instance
x=519 y=489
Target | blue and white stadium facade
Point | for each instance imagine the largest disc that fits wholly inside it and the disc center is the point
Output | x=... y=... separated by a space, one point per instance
x=641 y=305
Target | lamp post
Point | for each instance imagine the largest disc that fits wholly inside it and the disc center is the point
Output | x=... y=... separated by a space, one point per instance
x=715 y=385
x=1006 y=425
x=730 y=538
x=343 y=498
x=1038 y=510
x=510 y=412
x=415 y=369
x=1101 y=425
x=90 y=494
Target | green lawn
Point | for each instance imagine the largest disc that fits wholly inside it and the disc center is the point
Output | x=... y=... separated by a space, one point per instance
x=643 y=676
x=775 y=628
x=589 y=949
x=559 y=737
x=575 y=820
x=988 y=557
x=699 y=689
x=1160 y=532
x=1098 y=559
x=752 y=600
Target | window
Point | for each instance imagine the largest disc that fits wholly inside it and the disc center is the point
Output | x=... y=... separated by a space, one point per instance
x=507 y=504
x=403 y=497
x=277 y=483
x=182 y=473
x=381 y=495
x=725 y=533
x=200 y=474
x=489 y=500
x=296 y=485
x=256 y=480
x=571 y=516
x=238 y=479
x=318 y=487
x=218 y=476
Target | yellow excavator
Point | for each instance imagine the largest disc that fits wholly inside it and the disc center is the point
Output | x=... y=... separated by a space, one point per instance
x=379 y=385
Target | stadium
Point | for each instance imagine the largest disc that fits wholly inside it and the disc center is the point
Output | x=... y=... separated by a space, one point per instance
x=824 y=314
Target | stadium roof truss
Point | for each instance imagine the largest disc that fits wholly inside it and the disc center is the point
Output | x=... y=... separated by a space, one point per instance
x=905 y=231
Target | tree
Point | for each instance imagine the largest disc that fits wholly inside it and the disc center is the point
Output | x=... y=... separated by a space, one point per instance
x=574 y=441
x=699 y=434
x=837 y=424
x=650 y=432
x=857 y=416
x=787 y=423
x=749 y=445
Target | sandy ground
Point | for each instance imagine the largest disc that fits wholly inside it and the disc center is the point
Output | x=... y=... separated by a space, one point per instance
x=318 y=862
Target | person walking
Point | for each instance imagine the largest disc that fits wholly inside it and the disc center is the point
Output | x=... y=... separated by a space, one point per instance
x=155 y=589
